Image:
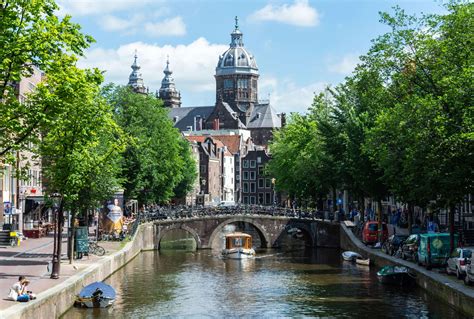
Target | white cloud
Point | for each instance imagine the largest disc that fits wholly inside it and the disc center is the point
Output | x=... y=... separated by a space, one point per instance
x=286 y=96
x=193 y=65
x=134 y=24
x=112 y=23
x=300 y=13
x=345 y=65
x=172 y=26
x=92 y=7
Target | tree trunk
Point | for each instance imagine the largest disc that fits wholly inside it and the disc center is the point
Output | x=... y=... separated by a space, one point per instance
x=452 y=208
x=60 y=230
x=362 y=209
x=410 y=217
x=379 y=216
x=70 y=242
x=334 y=199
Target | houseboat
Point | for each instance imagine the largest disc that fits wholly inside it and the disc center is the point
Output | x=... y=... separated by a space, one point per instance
x=238 y=246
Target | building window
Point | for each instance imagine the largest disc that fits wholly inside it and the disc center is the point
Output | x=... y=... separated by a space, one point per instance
x=260 y=170
x=253 y=189
x=245 y=164
x=246 y=175
x=260 y=199
x=261 y=183
x=242 y=83
x=228 y=84
x=246 y=187
x=252 y=199
x=252 y=175
x=268 y=183
x=203 y=168
x=259 y=159
x=253 y=164
x=268 y=198
x=246 y=199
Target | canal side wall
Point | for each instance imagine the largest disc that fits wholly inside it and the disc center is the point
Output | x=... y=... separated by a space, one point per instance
x=450 y=290
x=57 y=300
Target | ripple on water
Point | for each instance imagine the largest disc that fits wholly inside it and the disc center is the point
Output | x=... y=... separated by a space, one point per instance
x=303 y=284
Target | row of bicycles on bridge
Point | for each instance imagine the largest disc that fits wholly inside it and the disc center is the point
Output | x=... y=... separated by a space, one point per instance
x=182 y=212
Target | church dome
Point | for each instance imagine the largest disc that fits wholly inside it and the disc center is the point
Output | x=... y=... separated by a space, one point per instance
x=236 y=60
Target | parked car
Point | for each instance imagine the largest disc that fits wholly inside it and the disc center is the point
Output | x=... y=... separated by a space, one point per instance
x=409 y=248
x=393 y=243
x=370 y=233
x=434 y=249
x=469 y=277
x=457 y=262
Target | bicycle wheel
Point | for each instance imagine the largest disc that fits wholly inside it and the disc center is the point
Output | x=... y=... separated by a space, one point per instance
x=92 y=248
x=99 y=251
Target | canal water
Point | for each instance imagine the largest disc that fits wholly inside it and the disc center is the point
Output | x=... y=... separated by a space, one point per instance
x=278 y=283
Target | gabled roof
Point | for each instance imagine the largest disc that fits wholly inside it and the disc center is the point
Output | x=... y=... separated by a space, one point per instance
x=183 y=117
x=264 y=116
x=196 y=138
x=203 y=138
x=231 y=141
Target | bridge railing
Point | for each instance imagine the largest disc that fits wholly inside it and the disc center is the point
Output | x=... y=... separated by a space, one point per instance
x=181 y=212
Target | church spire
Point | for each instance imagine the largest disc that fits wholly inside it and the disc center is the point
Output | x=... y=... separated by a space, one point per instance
x=236 y=35
x=168 y=93
x=135 y=80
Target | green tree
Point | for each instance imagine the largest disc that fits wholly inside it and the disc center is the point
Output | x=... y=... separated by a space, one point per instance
x=80 y=144
x=156 y=162
x=426 y=134
x=31 y=35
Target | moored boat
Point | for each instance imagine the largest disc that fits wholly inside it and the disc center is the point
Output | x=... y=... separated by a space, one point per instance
x=362 y=261
x=96 y=295
x=238 y=246
x=396 y=275
x=350 y=255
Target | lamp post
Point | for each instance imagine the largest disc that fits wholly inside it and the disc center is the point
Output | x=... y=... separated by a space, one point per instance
x=58 y=229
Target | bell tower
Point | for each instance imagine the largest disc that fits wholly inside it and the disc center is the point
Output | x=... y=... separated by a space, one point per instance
x=237 y=77
x=168 y=92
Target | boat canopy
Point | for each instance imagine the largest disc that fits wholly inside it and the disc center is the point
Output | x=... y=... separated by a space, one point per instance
x=88 y=291
x=235 y=240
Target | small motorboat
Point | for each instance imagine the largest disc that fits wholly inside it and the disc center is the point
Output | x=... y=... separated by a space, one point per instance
x=362 y=261
x=96 y=295
x=396 y=275
x=238 y=246
x=350 y=256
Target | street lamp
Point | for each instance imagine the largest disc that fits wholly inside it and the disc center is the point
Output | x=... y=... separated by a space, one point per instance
x=58 y=229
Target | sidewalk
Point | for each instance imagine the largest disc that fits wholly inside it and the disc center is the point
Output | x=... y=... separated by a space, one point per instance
x=31 y=259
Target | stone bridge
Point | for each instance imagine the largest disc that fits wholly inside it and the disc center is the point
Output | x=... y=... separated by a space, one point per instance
x=271 y=229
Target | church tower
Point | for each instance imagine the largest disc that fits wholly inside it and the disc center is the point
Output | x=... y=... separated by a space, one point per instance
x=237 y=77
x=168 y=93
x=135 y=80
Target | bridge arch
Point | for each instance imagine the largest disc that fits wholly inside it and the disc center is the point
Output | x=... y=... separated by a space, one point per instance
x=266 y=243
x=308 y=232
x=165 y=229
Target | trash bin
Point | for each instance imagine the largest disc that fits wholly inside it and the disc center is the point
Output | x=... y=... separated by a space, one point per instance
x=81 y=240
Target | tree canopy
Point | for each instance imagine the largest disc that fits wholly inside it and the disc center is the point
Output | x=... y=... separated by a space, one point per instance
x=157 y=164
x=402 y=123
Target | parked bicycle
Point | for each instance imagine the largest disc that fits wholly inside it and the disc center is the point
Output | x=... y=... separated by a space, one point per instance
x=95 y=249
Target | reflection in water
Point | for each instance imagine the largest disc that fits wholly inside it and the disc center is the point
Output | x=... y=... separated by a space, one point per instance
x=314 y=283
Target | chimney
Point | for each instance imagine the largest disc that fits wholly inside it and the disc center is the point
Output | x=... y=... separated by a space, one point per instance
x=259 y=115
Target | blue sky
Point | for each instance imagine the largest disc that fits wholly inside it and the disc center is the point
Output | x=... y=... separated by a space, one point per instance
x=300 y=46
